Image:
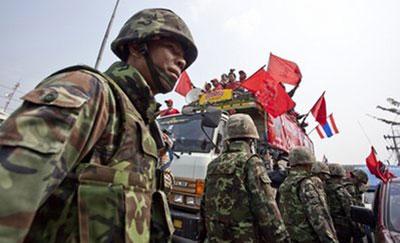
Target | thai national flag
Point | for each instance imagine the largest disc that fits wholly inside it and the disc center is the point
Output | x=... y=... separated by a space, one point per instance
x=328 y=129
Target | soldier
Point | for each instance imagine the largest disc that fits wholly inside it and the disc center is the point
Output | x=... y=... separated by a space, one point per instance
x=238 y=205
x=78 y=158
x=356 y=185
x=322 y=171
x=303 y=203
x=340 y=202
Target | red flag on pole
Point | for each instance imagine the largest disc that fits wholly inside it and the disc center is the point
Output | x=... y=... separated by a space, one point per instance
x=269 y=92
x=377 y=168
x=284 y=71
x=319 y=110
x=184 y=84
x=255 y=82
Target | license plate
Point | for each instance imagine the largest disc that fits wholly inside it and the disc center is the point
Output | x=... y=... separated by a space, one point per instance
x=177 y=223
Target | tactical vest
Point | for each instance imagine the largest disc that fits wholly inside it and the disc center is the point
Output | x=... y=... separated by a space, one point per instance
x=293 y=211
x=227 y=200
x=114 y=197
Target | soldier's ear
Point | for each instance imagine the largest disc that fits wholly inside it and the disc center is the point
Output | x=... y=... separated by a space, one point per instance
x=134 y=51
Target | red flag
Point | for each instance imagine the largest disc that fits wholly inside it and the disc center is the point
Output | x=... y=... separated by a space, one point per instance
x=372 y=162
x=255 y=82
x=269 y=92
x=184 y=84
x=319 y=110
x=377 y=168
x=284 y=71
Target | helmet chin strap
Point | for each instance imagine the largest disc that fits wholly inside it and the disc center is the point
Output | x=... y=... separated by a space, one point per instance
x=156 y=73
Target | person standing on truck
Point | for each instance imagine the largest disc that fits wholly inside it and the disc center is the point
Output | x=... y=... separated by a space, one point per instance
x=303 y=206
x=242 y=76
x=340 y=202
x=170 y=110
x=78 y=159
x=216 y=84
x=238 y=204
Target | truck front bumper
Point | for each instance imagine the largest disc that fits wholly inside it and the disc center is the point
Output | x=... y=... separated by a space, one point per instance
x=186 y=224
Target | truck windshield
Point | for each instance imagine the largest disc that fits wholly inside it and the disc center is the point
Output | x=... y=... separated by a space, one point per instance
x=394 y=206
x=186 y=133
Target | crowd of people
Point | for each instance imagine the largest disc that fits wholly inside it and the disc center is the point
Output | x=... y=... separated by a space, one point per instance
x=312 y=204
x=227 y=81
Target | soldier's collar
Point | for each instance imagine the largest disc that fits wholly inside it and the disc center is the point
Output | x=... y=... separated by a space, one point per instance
x=135 y=87
x=238 y=146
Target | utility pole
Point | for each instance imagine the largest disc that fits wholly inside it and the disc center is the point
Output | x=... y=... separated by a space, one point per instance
x=11 y=95
x=395 y=146
x=103 y=43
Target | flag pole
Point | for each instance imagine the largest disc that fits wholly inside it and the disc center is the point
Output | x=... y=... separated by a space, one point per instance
x=365 y=134
x=308 y=113
x=312 y=130
x=292 y=91
x=103 y=43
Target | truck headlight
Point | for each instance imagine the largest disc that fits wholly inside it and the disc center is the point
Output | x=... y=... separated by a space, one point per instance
x=178 y=198
x=190 y=200
x=198 y=201
x=181 y=183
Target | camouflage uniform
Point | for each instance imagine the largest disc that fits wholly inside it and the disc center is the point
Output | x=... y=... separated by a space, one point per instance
x=340 y=202
x=238 y=204
x=357 y=185
x=303 y=204
x=77 y=159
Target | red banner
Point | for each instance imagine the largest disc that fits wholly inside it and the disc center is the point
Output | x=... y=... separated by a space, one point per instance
x=284 y=133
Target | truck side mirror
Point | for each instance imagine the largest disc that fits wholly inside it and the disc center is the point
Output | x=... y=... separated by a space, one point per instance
x=211 y=117
x=362 y=215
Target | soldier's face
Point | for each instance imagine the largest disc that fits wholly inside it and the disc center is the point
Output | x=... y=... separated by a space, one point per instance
x=168 y=56
x=168 y=59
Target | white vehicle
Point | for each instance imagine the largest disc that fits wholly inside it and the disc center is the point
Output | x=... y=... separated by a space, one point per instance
x=196 y=143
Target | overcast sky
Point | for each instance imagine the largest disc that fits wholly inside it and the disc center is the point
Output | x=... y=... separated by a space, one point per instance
x=348 y=48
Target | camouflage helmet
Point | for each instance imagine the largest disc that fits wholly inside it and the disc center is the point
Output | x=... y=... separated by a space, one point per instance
x=149 y=23
x=241 y=126
x=337 y=170
x=360 y=175
x=301 y=156
x=319 y=167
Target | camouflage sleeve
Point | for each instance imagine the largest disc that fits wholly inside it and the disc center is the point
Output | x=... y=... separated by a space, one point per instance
x=314 y=207
x=42 y=141
x=350 y=188
x=262 y=203
x=346 y=200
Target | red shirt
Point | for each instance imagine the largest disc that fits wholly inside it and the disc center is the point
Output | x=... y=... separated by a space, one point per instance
x=168 y=112
x=218 y=87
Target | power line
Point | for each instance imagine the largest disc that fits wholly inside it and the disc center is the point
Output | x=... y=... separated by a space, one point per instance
x=11 y=95
x=7 y=98
x=10 y=88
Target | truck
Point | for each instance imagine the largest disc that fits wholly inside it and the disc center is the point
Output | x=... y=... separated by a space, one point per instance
x=198 y=134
